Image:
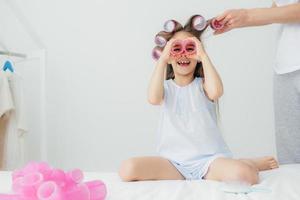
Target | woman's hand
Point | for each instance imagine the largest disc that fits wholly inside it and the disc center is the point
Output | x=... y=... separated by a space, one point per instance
x=233 y=19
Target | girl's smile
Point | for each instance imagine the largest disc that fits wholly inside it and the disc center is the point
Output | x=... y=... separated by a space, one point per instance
x=183 y=62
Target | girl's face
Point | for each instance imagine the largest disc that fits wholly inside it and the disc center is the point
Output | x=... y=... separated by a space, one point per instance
x=183 y=65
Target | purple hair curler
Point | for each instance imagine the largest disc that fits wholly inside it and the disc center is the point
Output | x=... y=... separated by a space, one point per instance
x=199 y=23
x=156 y=53
x=160 y=40
x=170 y=26
x=216 y=25
x=183 y=47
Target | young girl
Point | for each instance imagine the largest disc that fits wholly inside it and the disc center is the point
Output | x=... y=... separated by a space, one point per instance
x=190 y=143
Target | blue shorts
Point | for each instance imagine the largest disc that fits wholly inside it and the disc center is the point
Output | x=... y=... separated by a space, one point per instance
x=197 y=169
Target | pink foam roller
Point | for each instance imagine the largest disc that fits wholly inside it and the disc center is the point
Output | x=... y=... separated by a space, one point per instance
x=74 y=176
x=49 y=191
x=59 y=177
x=9 y=197
x=78 y=192
x=97 y=190
x=28 y=185
x=216 y=25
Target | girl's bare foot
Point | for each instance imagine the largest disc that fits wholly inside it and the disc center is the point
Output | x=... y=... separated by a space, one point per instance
x=263 y=163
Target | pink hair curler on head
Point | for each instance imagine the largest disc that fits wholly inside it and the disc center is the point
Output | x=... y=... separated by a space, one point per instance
x=160 y=40
x=97 y=190
x=170 y=26
x=199 y=23
x=156 y=53
x=183 y=47
x=216 y=25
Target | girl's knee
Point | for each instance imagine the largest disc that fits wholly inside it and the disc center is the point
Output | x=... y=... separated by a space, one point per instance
x=247 y=174
x=128 y=169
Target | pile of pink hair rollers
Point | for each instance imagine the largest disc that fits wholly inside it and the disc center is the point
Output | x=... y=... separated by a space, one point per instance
x=199 y=23
x=39 y=181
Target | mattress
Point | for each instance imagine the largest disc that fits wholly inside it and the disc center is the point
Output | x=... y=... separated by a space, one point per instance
x=282 y=183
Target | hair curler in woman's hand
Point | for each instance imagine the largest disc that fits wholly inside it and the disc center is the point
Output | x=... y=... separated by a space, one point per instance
x=215 y=24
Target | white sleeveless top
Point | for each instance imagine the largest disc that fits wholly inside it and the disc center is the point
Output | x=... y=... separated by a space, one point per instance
x=288 y=49
x=188 y=127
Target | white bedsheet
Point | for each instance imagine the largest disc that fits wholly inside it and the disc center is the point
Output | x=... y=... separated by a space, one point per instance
x=284 y=184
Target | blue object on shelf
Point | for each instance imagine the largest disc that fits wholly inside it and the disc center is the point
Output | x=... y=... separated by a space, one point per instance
x=8 y=65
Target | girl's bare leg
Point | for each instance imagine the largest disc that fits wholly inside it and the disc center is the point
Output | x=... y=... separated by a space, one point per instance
x=148 y=168
x=243 y=170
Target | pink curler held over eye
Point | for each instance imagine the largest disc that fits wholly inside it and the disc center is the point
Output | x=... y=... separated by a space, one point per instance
x=216 y=25
x=156 y=53
x=183 y=48
x=199 y=23
x=170 y=26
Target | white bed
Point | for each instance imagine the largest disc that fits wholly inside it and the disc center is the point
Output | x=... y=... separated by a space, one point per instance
x=284 y=183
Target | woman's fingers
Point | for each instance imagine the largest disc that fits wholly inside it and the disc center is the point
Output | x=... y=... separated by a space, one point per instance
x=222 y=16
x=223 y=30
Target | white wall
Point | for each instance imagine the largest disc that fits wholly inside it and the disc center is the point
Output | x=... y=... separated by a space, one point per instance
x=99 y=64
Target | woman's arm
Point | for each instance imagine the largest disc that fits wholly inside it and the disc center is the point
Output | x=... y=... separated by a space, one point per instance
x=282 y=14
x=259 y=16
x=156 y=85
x=212 y=83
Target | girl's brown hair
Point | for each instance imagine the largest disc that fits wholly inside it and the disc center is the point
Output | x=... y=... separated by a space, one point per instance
x=188 y=27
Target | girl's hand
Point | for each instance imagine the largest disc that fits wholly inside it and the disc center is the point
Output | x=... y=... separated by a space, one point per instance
x=233 y=19
x=200 y=51
x=165 y=56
